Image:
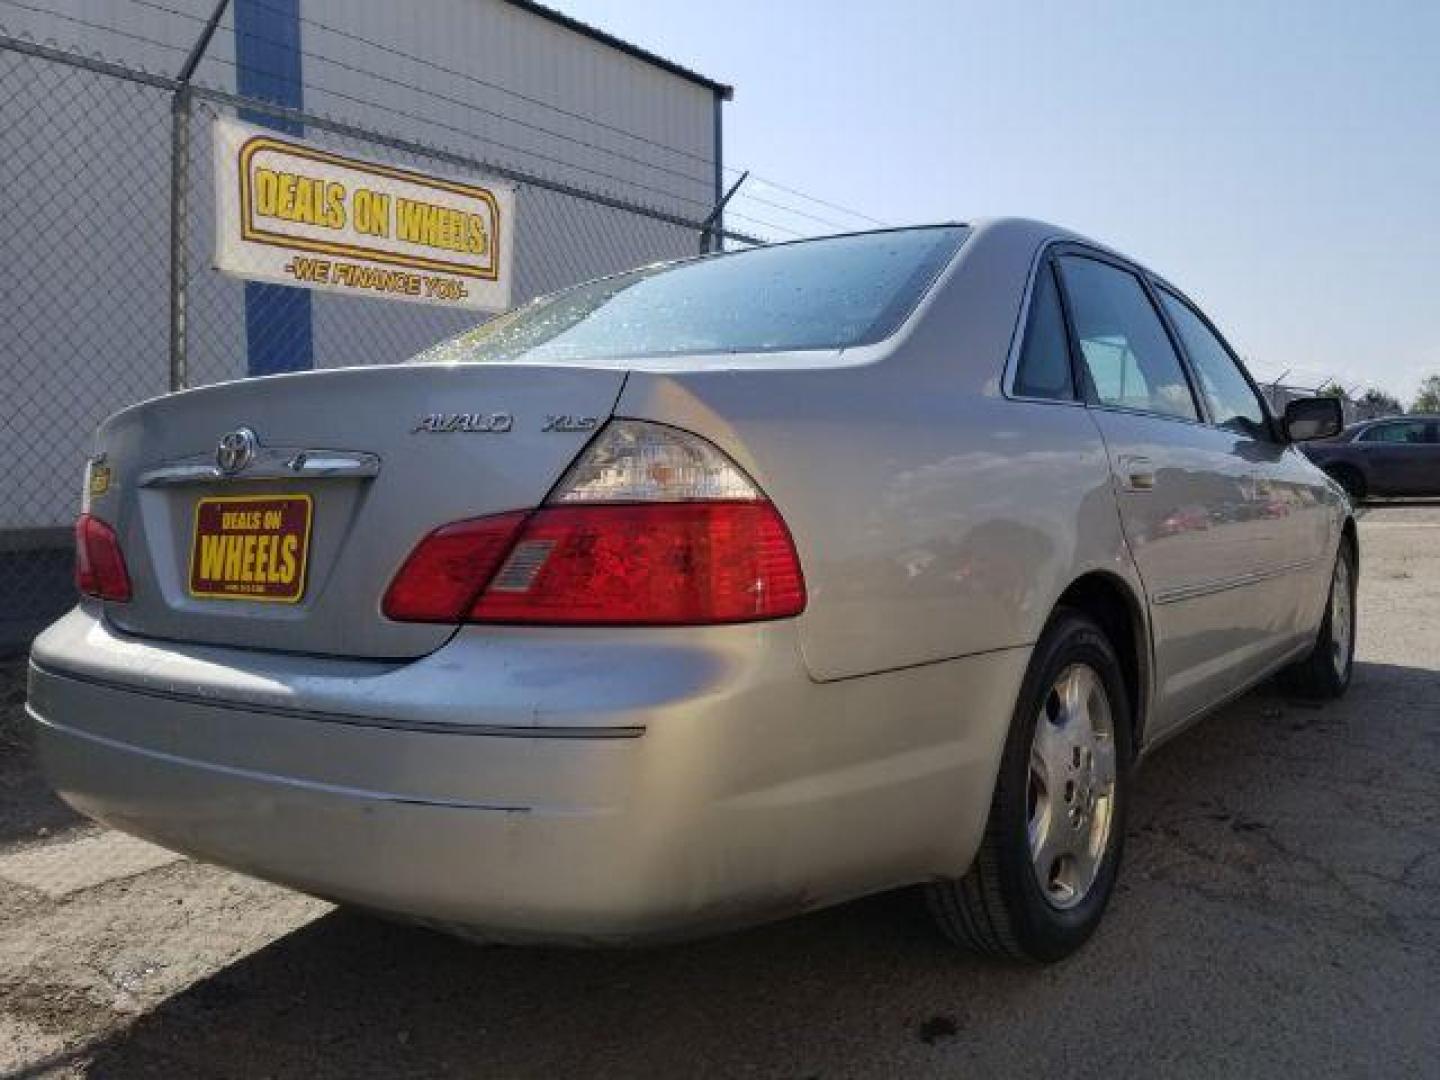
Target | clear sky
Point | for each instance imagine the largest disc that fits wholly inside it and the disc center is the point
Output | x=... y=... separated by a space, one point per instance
x=1278 y=161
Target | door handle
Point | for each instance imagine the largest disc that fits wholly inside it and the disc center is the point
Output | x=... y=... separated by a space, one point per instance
x=1136 y=473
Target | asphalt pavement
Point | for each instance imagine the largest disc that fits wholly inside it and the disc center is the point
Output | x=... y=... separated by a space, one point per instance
x=1278 y=915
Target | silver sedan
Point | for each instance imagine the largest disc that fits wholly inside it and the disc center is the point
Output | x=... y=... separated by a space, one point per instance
x=703 y=594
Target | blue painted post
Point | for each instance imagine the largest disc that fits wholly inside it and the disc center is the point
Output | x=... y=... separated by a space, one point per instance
x=278 y=328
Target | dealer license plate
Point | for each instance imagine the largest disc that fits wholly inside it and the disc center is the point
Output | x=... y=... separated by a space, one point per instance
x=251 y=548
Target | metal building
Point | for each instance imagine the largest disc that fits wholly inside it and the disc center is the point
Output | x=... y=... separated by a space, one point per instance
x=617 y=154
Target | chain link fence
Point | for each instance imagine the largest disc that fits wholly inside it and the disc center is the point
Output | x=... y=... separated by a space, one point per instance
x=80 y=342
x=92 y=281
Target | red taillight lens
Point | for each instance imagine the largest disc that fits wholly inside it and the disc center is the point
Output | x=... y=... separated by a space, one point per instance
x=99 y=565
x=606 y=565
x=445 y=573
x=660 y=563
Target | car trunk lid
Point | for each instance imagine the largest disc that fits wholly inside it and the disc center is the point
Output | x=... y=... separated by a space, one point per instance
x=345 y=471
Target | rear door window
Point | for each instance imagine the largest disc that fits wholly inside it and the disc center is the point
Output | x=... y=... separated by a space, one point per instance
x=1400 y=432
x=1232 y=401
x=1044 y=368
x=1127 y=355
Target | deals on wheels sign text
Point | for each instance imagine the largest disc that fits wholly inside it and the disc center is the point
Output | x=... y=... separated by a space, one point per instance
x=293 y=213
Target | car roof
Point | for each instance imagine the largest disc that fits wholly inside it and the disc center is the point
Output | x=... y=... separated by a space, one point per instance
x=1018 y=232
x=1372 y=421
x=1362 y=426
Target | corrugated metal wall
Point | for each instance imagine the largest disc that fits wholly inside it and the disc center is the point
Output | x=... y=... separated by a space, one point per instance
x=494 y=41
x=356 y=69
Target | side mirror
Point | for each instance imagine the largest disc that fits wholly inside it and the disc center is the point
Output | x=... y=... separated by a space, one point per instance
x=1313 y=418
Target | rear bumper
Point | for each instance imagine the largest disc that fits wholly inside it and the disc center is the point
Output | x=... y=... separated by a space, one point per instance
x=690 y=782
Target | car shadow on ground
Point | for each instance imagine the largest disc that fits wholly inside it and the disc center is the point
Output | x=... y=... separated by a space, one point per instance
x=871 y=981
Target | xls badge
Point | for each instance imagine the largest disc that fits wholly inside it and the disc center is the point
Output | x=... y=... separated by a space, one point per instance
x=441 y=423
x=570 y=423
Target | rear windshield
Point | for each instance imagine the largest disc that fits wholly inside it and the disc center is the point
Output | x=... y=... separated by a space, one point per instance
x=835 y=293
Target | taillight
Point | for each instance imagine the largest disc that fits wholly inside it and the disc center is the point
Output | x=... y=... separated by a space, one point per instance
x=99 y=564
x=443 y=576
x=691 y=562
x=652 y=526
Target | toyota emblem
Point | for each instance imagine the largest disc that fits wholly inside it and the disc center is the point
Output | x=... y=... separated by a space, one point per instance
x=236 y=450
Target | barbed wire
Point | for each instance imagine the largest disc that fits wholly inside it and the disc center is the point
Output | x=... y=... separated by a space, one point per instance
x=52 y=14
x=734 y=215
x=468 y=77
x=736 y=211
x=370 y=104
x=560 y=110
x=400 y=83
x=815 y=199
x=747 y=196
x=417 y=118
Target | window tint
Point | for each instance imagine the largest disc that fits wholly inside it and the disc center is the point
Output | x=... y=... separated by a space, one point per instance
x=1232 y=402
x=1405 y=431
x=1127 y=354
x=834 y=293
x=1044 y=369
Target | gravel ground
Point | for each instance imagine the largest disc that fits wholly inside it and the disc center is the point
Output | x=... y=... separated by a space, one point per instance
x=1277 y=916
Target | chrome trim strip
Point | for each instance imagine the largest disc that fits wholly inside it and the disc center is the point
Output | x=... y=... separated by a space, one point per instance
x=1209 y=588
x=271 y=463
x=426 y=727
x=179 y=474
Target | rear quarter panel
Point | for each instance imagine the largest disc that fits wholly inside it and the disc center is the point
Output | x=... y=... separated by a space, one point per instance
x=934 y=517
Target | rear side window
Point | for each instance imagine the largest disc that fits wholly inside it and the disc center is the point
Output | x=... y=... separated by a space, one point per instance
x=1403 y=432
x=834 y=293
x=1233 y=403
x=1127 y=354
x=1044 y=368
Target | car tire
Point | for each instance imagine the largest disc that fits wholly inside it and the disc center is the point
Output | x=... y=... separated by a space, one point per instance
x=1326 y=673
x=1001 y=907
x=1352 y=480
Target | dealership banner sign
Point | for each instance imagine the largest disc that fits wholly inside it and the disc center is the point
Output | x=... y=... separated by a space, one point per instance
x=294 y=213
